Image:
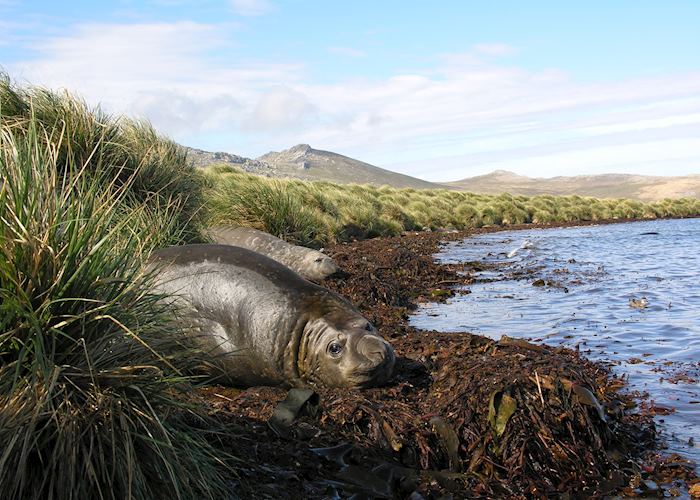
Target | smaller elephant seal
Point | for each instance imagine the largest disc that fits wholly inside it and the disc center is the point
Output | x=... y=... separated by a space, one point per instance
x=309 y=263
x=265 y=325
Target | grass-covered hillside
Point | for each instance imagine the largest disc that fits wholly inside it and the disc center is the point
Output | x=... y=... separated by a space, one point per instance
x=93 y=364
x=314 y=213
x=637 y=187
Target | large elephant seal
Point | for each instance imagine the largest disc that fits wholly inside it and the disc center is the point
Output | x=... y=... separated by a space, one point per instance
x=309 y=263
x=265 y=325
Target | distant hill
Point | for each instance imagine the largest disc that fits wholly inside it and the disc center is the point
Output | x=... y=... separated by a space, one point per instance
x=304 y=162
x=640 y=187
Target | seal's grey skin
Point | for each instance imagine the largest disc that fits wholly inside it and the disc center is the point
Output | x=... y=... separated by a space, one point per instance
x=309 y=263
x=265 y=325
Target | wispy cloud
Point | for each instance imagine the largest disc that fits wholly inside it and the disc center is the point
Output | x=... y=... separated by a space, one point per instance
x=467 y=114
x=347 y=51
x=252 y=7
x=652 y=123
x=162 y=71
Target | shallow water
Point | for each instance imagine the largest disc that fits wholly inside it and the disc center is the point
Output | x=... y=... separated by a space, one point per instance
x=590 y=274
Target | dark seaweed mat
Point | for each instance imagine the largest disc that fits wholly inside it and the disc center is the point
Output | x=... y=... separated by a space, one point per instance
x=571 y=430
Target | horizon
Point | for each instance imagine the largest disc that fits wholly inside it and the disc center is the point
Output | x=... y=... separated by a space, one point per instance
x=439 y=92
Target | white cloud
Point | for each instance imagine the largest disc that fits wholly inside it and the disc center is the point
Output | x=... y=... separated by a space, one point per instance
x=279 y=108
x=159 y=71
x=468 y=113
x=252 y=7
x=347 y=51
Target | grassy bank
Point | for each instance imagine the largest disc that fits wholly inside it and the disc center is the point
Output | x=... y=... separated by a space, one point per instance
x=92 y=386
x=125 y=151
x=317 y=213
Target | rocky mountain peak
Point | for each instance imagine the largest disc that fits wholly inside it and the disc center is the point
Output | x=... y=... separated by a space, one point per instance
x=298 y=150
x=297 y=156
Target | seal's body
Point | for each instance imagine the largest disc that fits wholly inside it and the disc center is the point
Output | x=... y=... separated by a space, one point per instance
x=265 y=325
x=309 y=263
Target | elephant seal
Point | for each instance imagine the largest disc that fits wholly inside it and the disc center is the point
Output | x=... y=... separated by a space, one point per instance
x=309 y=263
x=266 y=325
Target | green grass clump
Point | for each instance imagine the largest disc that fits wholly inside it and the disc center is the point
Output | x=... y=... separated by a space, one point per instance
x=269 y=205
x=128 y=150
x=92 y=393
x=314 y=213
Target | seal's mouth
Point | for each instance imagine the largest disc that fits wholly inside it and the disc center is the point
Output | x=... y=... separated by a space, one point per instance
x=376 y=377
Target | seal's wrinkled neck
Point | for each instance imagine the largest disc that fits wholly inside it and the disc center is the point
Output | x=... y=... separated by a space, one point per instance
x=311 y=337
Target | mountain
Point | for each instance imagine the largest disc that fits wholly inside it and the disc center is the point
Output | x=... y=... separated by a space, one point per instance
x=201 y=159
x=304 y=162
x=640 y=187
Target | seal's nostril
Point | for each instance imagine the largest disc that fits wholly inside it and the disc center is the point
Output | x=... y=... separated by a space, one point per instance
x=376 y=356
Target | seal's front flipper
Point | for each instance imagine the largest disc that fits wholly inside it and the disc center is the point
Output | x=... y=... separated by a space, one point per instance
x=298 y=402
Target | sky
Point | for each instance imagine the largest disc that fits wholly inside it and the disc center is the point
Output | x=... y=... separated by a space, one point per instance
x=440 y=90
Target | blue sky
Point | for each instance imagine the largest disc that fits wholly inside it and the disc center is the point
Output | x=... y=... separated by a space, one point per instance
x=439 y=90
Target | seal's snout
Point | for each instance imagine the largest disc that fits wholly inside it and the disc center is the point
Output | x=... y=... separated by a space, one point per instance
x=373 y=348
x=379 y=356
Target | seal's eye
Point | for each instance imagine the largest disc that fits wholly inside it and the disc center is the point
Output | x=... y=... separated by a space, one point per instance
x=319 y=259
x=335 y=349
x=368 y=327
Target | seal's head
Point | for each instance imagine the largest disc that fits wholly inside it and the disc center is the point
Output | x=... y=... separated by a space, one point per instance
x=319 y=265
x=345 y=354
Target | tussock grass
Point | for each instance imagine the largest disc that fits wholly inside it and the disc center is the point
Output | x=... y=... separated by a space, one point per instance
x=269 y=205
x=126 y=150
x=93 y=391
x=333 y=212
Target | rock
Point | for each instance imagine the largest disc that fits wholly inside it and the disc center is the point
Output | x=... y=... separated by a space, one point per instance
x=203 y=159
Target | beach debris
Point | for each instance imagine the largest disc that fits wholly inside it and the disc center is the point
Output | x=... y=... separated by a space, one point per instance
x=449 y=440
x=694 y=490
x=336 y=454
x=586 y=397
x=362 y=480
x=522 y=343
x=640 y=303
x=501 y=408
x=438 y=293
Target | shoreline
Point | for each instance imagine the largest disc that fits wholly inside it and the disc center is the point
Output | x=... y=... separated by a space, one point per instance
x=406 y=428
x=549 y=225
